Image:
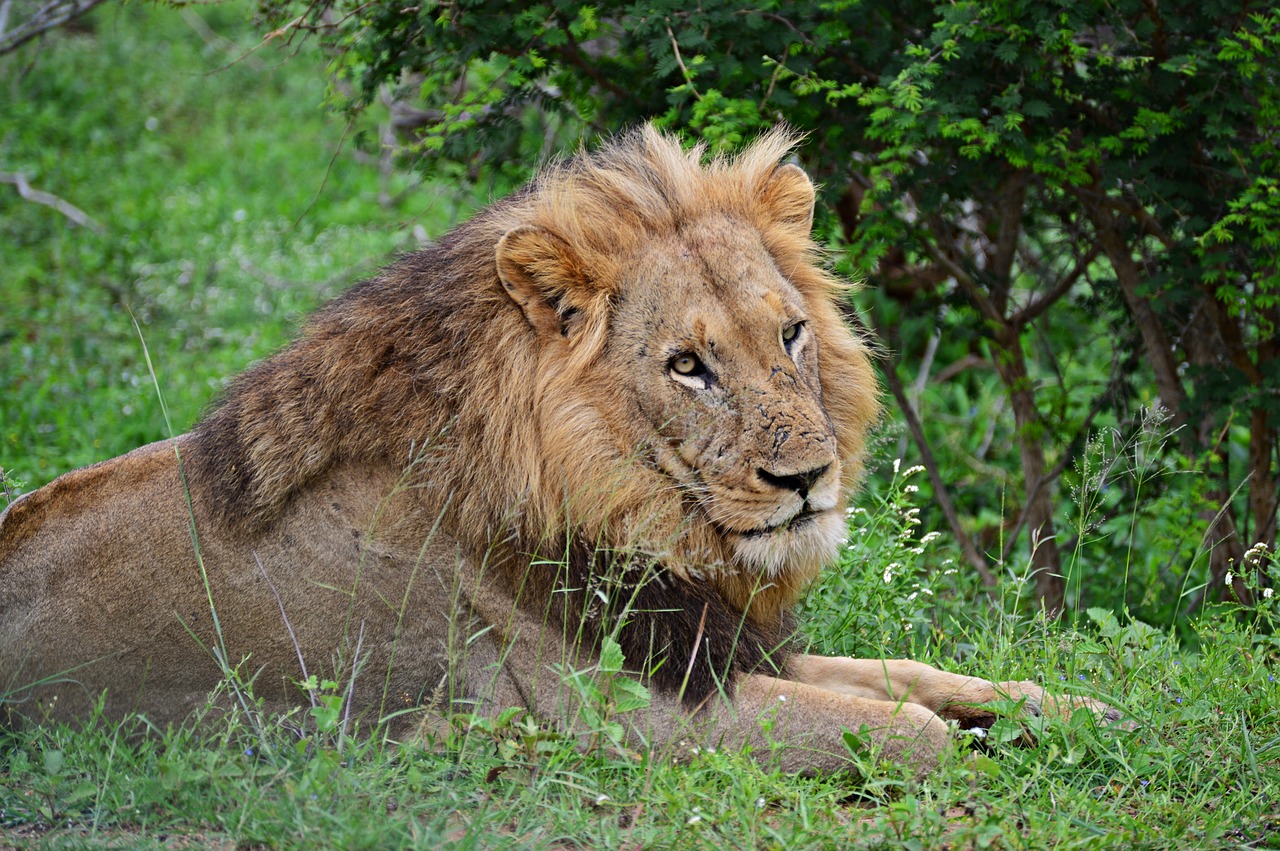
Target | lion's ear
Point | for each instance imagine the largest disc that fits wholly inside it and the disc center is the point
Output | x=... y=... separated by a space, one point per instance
x=789 y=197
x=542 y=274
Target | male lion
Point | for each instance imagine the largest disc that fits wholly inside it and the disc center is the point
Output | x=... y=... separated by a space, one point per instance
x=620 y=403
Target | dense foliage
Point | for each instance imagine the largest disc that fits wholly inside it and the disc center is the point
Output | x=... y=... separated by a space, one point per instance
x=1071 y=204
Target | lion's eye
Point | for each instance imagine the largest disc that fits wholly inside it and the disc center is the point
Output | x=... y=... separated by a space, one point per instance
x=687 y=364
x=790 y=334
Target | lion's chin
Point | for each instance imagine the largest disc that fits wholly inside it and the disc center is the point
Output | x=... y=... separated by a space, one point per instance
x=802 y=545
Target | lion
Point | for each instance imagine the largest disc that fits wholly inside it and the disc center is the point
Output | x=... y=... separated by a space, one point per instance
x=619 y=405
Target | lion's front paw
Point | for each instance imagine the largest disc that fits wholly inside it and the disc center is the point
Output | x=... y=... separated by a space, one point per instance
x=1037 y=702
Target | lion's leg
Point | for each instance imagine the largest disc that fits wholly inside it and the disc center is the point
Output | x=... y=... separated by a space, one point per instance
x=517 y=662
x=797 y=727
x=952 y=696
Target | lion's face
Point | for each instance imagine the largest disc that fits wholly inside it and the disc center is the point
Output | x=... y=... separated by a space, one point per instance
x=721 y=367
x=685 y=342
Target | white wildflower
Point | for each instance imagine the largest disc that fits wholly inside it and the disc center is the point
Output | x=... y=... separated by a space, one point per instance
x=917 y=550
x=950 y=572
x=932 y=536
x=912 y=596
x=888 y=576
x=1267 y=592
x=897 y=462
x=911 y=471
x=759 y=803
x=601 y=798
x=947 y=561
x=910 y=489
x=1229 y=577
x=782 y=698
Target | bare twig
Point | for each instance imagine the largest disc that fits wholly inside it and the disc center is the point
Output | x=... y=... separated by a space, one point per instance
x=573 y=54
x=356 y=665
x=967 y=548
x=922 y=379
x=71 y=211
x=288 y=627
x=684 y=72
x=221 y=43
x=966 y=281
x=49 y=16
x=697 y=642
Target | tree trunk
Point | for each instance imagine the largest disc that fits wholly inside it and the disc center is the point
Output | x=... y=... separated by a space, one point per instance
x=1155 y=340
x=1046 y=564
x=1211 y=339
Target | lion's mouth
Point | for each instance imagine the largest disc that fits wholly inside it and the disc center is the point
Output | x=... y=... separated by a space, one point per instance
x=805 y=517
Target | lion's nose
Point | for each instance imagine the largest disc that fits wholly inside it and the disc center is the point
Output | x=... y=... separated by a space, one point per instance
x=801 y=483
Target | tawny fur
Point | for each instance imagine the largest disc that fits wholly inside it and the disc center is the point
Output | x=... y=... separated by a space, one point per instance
x=402 y=480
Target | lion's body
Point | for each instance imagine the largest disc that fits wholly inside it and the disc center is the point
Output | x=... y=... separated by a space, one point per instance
x=143 y=621
x=621 y=402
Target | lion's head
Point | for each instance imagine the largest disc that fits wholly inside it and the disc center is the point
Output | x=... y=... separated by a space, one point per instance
x=680 y=312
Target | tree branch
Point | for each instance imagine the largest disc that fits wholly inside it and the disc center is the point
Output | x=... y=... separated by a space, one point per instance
x=1154 y=337
x=1082 y=433
x=940 y=493
x=49 y=16
x=684 y=72
x=72 y=212
x=571 y=53
x=962 y=276
x=1059 y=289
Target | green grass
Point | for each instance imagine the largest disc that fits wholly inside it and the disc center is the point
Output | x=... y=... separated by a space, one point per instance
x=229 y=207
x=228 y=204
x=1199 y=772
